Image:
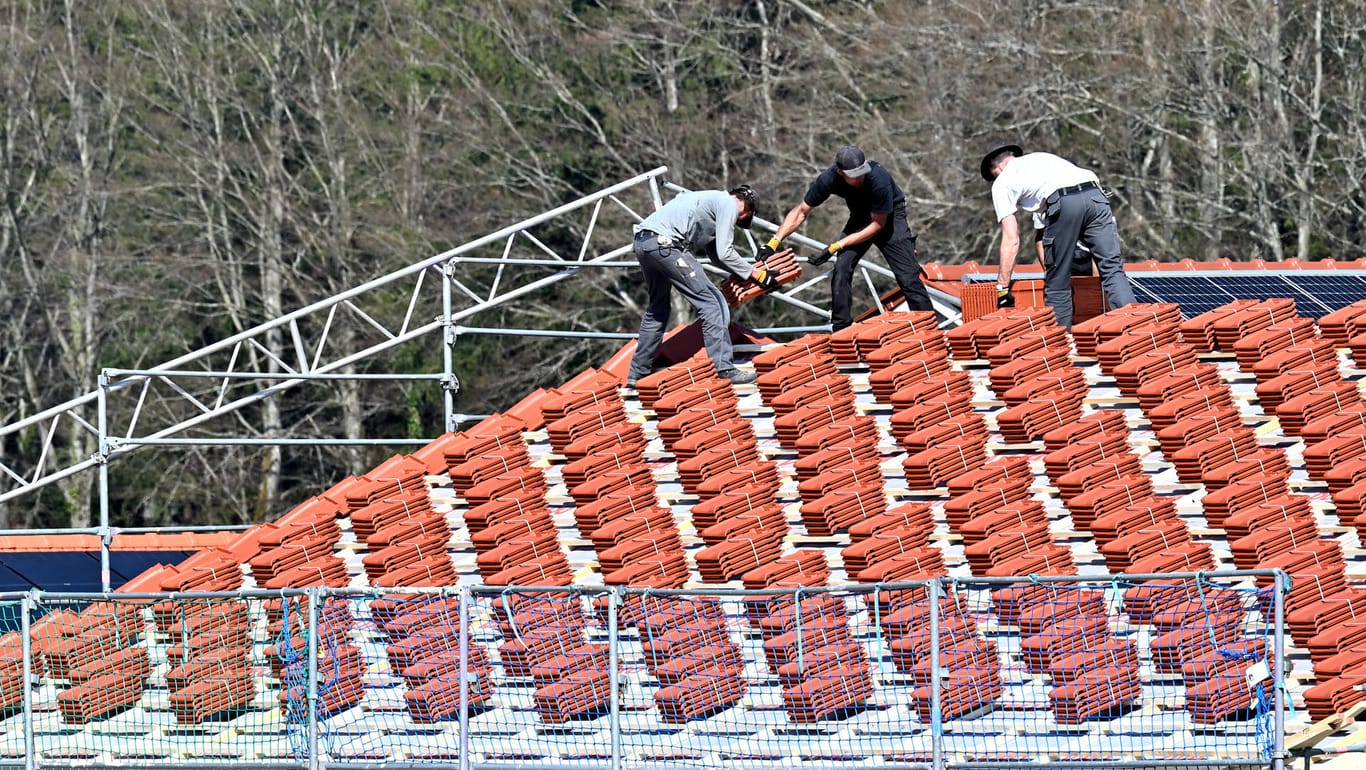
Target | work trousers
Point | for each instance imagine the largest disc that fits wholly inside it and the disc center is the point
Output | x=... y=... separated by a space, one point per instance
x=897 y=245
x=1083 y=216
x=666 y=266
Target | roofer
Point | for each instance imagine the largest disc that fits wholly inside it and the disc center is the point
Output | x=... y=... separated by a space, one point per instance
x=1073 y=210
x=877 y=215
x=667 y=245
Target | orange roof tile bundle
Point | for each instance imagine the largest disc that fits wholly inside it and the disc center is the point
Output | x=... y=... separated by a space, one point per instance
x=1061 y=384
x=1029 y=341
x=738 y=291
x=1280 y=336
x=974 y=338
x=803 y=567
x=1231 y=327
x=791 y=374
x=1088 y=335
x=1296 y=381
x=926 y=342
x=1134 y=341
x=653 y=386
x=1133 y=372
x=1339 y=326
x=808 y=345
x=853 y=344
x=1199 y=331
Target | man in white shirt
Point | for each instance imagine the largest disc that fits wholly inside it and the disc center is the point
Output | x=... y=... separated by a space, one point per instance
x=1073 y=209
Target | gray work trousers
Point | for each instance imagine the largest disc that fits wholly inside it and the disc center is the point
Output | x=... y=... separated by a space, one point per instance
x=1083 y=216
x=666 y=267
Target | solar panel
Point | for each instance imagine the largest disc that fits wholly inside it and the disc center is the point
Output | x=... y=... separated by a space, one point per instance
x=1315 y=294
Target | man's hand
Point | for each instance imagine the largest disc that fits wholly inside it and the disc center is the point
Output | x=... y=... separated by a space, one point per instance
x=1004 y=298
x=767 y=279
x=825 y=255
x=768 y=249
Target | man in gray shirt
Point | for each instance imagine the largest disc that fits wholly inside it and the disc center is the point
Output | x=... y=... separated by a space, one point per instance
x=667 y=246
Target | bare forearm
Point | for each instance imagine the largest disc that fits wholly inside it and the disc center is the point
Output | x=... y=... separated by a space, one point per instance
x=791 y=222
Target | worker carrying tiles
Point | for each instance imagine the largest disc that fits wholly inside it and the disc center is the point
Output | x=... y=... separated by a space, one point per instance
x=667 y=245
x=877 y=215
x=1074 y=210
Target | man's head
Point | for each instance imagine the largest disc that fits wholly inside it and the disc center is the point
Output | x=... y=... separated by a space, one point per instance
x=998 y=154
x=749 y=204
x=850 y=164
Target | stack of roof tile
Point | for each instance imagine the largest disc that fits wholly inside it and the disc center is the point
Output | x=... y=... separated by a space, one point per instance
x=807 y=644
x=1134 y=341
x=804 y=567
x=930 y=342
x=1231 y=327
x=653 y=386
x=1272 y=339
x=852 y=344
x=973 y=339
x=1088 y=335
x=97 y=651
x=810 y=344
x=782 y=265
x=1029 y=341
x=1199 y=331
x=791 y=374
x=1341 y=325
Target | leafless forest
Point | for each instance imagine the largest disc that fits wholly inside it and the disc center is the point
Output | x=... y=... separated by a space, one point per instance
x=175 y=171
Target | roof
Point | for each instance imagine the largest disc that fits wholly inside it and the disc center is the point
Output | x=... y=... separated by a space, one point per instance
x=1204 y=419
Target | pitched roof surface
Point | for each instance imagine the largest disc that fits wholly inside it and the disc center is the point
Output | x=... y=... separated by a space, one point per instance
x=1140 y=442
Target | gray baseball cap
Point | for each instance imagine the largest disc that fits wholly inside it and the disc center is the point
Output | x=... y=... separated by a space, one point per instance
x=850 y=160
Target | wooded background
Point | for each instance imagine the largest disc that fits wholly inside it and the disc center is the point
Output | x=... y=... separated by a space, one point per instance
x=176 y=171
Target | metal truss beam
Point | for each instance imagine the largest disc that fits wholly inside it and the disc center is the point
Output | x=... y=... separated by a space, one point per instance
x=327 y=339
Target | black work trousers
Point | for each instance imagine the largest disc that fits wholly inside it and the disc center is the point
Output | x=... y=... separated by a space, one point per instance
x=897 y=244
x=1083 y=216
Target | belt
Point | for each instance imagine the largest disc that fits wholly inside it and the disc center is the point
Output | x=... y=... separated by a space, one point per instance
x=650 y=235
x=1076 y=188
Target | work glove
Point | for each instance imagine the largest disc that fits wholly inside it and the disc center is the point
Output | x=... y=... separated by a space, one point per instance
x=767 y=279
x=768 y=249
x=825 y=255
x=1004 y=298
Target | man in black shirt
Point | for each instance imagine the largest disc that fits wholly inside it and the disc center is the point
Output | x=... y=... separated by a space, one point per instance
x=877 y=215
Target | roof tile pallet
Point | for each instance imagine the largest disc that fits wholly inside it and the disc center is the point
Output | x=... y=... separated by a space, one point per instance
x=1036 y=417
x=1296 y=381
x=1232 y=327
x=838 y=510
x=700 y=695
x=652 y=387
x=1131 y=374
x=805 y=567
x=1059 y=384
x=793 y=374
x=882 y=545
x=1293 y=357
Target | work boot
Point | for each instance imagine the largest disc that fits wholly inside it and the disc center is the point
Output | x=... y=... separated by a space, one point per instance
x=738 y=377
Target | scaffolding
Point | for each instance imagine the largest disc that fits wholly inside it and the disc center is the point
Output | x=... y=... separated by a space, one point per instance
x=326 y=340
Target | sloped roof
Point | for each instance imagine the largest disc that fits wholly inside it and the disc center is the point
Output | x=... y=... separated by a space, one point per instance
x=1033 y=389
